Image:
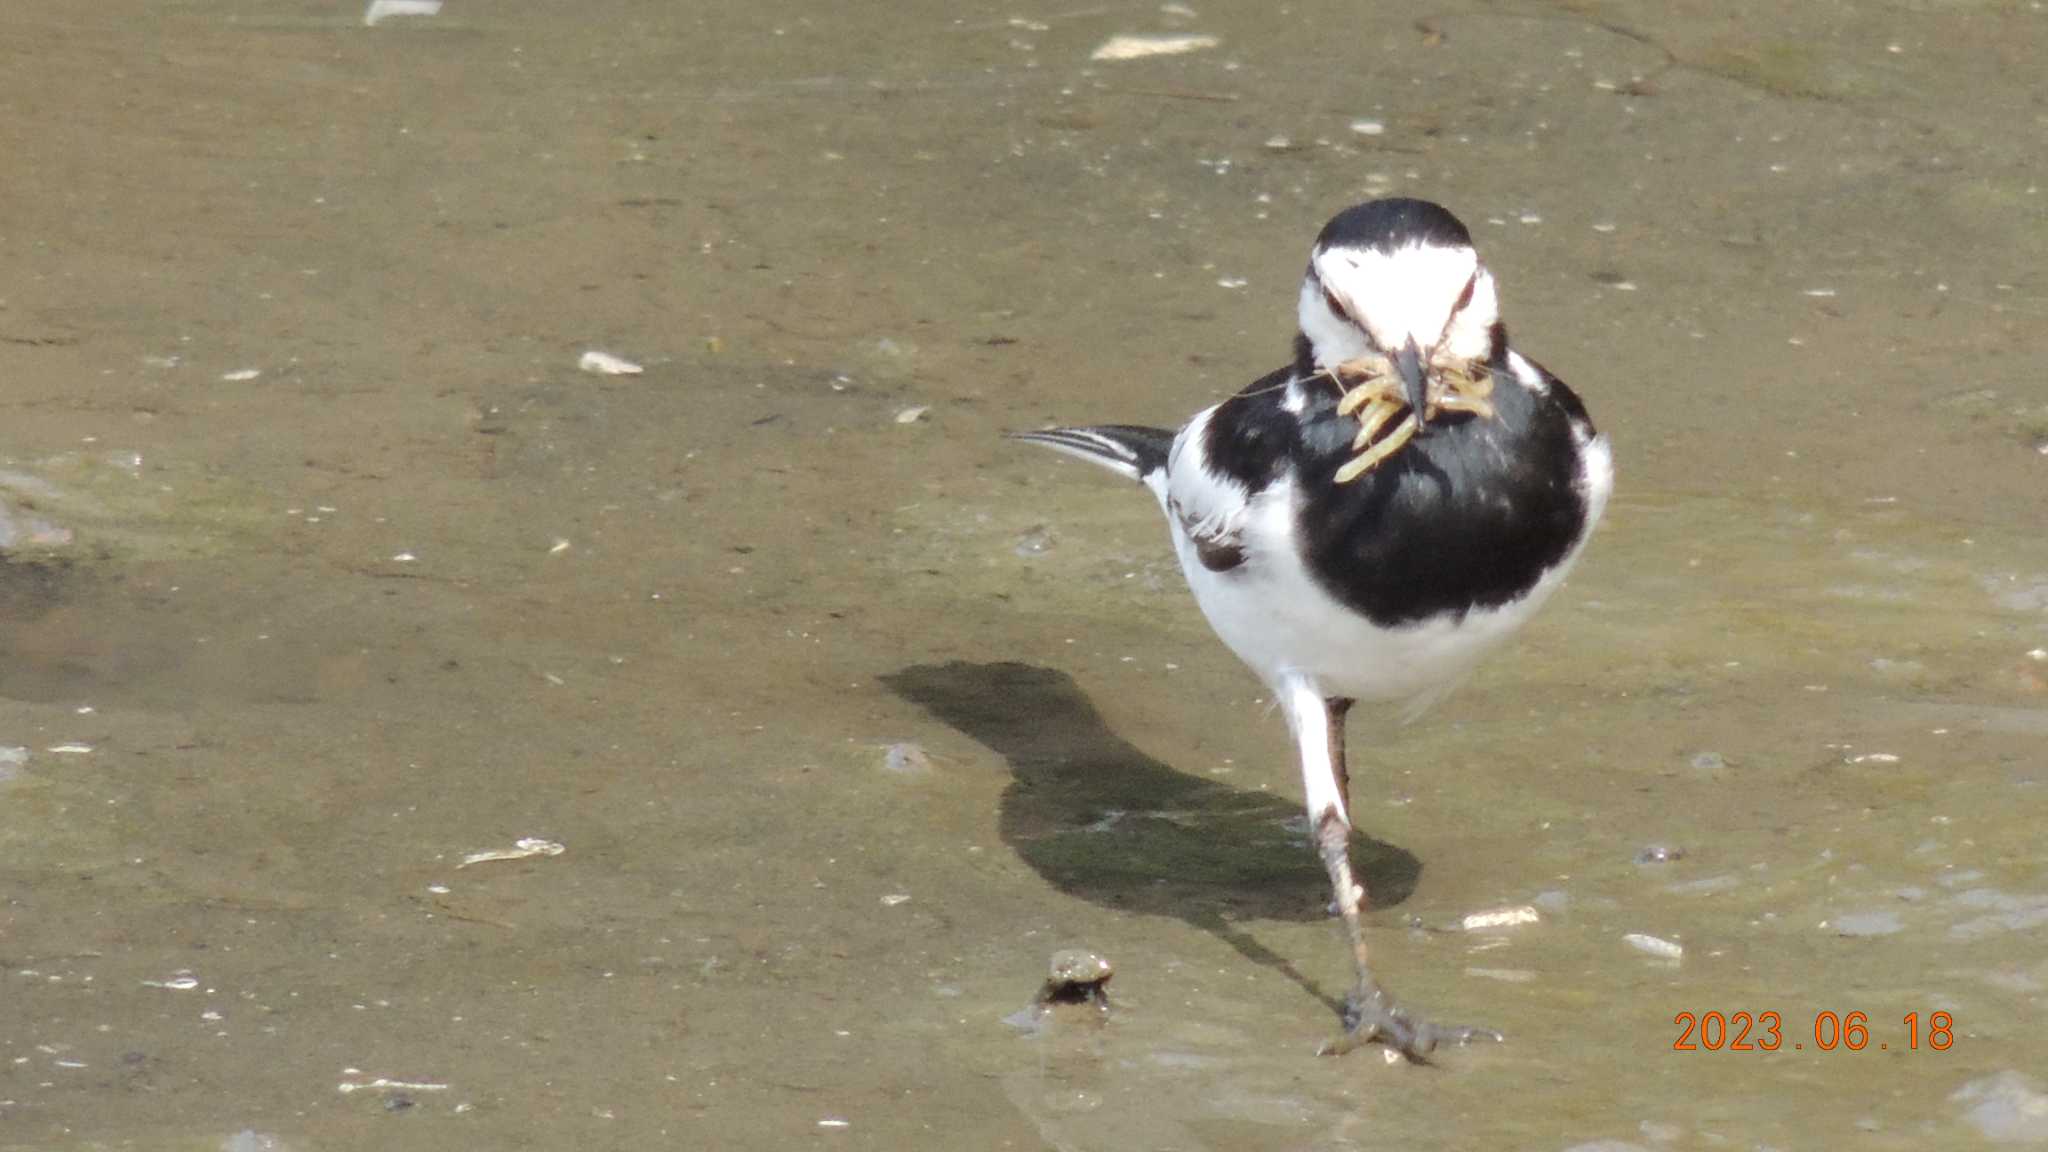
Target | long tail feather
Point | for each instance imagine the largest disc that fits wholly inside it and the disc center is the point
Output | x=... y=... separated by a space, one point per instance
x=1129 y=450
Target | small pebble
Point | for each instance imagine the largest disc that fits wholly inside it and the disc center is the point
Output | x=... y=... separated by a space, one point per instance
x=1660 y=854
x=1368 y=127
x=913 y=415
x=1708 y=761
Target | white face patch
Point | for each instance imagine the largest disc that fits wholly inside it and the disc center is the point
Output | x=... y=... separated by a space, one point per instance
x=1410 y=293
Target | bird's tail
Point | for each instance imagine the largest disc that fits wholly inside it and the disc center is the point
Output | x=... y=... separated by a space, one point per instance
x=1133 y=452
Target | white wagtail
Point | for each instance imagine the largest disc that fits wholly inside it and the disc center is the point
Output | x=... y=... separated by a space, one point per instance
x=1367 y=522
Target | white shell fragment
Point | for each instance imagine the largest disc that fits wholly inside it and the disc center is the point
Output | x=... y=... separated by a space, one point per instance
x=520 y=850
x=913 y=415
x=1500 y=918
x=1655 y=946
x=606 y=364
x=380 y=1084
x=384 y=9
x=241 y=374
x=1139 y=47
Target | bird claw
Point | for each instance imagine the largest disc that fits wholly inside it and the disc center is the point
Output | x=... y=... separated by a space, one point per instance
x=1370 y=1015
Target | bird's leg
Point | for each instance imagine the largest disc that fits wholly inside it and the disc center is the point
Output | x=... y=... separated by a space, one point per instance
x=1369 y=1012
x=1336 y=709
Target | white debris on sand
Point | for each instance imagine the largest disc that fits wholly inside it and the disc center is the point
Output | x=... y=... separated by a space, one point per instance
x=380 y=10
x=606 y=364
x=1655 y=946
x=520 y=850
x=1496 y=918
x=380 y=1084
x=241 y=374
x=1139 y=47
x=913 y=414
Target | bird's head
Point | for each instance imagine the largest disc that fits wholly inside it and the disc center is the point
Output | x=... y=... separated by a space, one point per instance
x=1398 y=278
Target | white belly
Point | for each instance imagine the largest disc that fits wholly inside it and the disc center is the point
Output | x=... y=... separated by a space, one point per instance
x=1283 y=624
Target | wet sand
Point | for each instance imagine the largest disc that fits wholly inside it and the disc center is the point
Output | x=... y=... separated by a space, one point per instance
x=671 y=621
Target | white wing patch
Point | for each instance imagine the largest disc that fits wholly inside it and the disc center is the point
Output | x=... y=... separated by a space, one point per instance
x=1530 y=375
x=1206 y=506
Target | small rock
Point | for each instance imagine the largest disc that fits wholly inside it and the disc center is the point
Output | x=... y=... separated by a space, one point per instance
x=913 y=414
x=1077 y=975
x=1708 y=761
x=1660 y=854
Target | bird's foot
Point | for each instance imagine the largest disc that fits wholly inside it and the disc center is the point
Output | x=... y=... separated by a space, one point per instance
x=1370 y=1015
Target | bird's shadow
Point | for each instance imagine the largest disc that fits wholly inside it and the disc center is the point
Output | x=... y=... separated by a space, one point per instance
x=1101 y=820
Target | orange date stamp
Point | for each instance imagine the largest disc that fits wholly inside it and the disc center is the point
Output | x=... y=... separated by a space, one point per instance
x=1831 y=1032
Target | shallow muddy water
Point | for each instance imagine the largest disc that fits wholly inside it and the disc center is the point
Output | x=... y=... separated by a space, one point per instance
x=278 y=652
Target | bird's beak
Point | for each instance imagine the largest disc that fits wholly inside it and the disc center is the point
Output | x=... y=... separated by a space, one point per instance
x=1408 y=364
